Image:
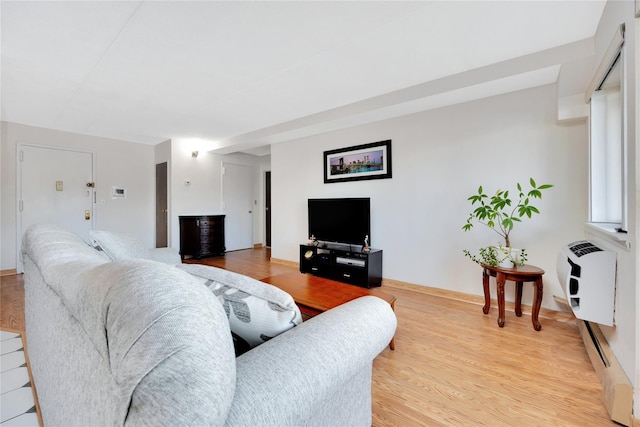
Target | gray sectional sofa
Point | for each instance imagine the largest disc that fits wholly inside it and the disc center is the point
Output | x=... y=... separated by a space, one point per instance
x=140 y=342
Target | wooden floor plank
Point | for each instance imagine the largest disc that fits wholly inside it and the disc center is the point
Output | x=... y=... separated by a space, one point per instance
x=453 y=366
x=12 y=303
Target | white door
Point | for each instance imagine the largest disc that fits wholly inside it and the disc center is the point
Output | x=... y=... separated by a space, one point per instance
x=237 y=200
x=52 y=188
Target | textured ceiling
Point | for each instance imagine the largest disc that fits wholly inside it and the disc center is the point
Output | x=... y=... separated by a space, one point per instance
x=239 y=75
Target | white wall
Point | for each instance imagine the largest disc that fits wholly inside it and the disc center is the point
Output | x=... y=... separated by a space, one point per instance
x=204 y=194
x=118 y=163
x=623 y=338
x=439 y=159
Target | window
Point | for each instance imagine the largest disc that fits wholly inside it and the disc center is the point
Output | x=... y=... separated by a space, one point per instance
x=607 y=154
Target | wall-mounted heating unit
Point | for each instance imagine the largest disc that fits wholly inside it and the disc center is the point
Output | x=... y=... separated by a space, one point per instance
x=587 y=274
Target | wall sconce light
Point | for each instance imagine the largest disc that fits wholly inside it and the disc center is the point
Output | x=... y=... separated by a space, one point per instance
x=194 y=154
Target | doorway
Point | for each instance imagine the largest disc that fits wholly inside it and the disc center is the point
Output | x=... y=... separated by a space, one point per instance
x=267 y=209
x=55 y=186
x=161 y=206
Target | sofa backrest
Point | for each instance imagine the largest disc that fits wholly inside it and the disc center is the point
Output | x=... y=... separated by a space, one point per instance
x=159 y=335
x=165 y=337
x=56 y=249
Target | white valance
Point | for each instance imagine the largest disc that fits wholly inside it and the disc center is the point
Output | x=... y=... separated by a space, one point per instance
x=609 y=58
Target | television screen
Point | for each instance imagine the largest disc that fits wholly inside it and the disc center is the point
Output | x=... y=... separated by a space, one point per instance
x=340 y=220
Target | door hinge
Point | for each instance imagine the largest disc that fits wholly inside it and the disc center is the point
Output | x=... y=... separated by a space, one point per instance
x=20 y=206
x=21 y=155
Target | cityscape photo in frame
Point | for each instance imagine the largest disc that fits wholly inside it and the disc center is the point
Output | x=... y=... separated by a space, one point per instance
x=367 y=161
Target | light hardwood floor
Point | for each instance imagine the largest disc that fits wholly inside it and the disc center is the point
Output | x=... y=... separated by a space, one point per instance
x=452 y=366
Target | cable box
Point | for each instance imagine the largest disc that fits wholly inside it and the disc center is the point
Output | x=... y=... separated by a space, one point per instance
x=351 y=261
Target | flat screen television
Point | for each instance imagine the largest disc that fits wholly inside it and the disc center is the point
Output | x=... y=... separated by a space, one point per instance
x=345 y=220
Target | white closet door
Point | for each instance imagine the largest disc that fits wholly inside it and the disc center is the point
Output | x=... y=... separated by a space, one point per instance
x=237 y=200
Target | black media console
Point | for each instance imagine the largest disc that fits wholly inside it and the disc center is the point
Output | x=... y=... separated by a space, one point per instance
x=342 y=264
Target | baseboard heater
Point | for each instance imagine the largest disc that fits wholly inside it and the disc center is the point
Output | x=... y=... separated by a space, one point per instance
x=617 y=391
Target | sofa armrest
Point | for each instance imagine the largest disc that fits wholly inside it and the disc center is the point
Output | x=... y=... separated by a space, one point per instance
x=166 y=255
x=303 y=376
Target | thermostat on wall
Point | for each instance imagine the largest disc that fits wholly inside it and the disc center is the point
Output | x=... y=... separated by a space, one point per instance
x=118 y=193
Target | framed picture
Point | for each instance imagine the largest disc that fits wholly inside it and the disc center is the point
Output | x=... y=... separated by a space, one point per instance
x=367 y=161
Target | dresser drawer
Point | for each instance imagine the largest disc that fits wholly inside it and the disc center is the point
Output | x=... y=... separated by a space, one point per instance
x=207 y=238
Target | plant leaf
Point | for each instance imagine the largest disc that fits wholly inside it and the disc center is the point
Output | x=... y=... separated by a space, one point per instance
x=535 y=193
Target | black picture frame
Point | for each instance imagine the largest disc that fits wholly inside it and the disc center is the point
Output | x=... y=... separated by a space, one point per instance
x=359 y=162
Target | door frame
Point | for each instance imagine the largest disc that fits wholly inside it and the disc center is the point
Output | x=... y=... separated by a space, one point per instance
x=18 y=196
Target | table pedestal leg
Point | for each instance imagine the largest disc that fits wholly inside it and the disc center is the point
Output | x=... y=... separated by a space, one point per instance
x=500 y=279
x=487 y=293
x=519 y=299
x=536 y=304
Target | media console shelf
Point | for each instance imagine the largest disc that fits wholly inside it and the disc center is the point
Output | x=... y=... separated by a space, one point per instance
x=357 y=268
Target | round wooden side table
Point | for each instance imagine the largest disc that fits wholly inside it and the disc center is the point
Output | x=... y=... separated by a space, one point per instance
x=519 y=275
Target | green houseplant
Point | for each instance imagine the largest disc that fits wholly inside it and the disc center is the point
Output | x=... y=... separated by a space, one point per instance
x=499 y=213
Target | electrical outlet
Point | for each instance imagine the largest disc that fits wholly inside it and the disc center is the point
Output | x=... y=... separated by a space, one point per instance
x=59 y=186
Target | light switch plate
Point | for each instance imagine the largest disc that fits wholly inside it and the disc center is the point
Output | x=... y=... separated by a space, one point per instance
x=59 y=186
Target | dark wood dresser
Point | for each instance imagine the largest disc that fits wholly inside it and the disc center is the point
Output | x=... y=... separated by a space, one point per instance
x=201 y=235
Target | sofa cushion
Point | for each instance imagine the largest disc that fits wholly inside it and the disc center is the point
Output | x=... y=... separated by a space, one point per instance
x=118 y=245
x=257 y=311
x=165 y=255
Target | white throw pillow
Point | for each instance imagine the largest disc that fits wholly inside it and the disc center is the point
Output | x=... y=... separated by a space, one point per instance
x=257 y=311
